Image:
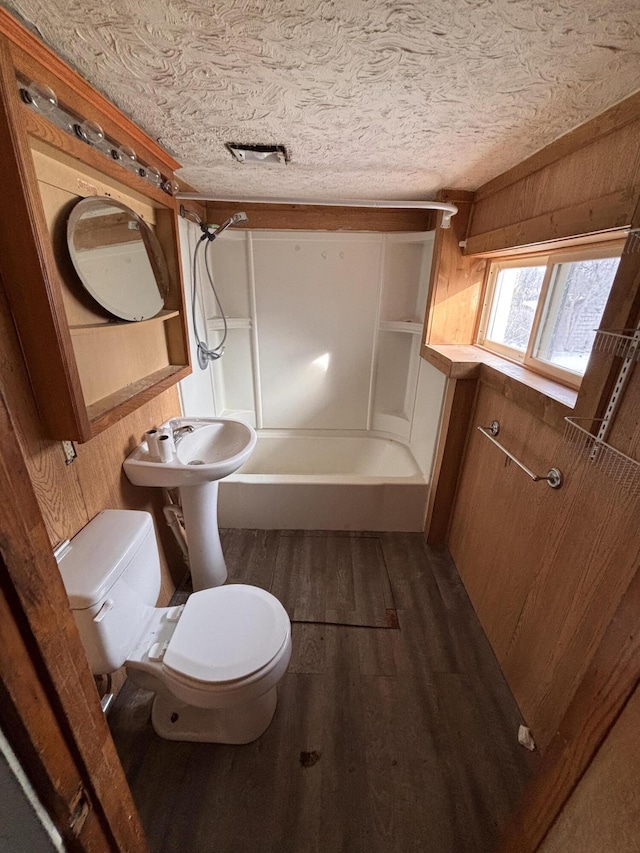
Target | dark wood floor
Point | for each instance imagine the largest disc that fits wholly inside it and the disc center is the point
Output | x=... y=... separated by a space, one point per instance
x=383 y=740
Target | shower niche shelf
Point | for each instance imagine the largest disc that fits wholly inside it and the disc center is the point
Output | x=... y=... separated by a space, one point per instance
x=406 y=270
x=405 y=280
x=397 y=365
x=405 y=327
x=232 y=375
x=216 y=324
x=87 y=372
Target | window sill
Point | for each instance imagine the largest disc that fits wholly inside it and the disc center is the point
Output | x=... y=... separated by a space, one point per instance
x=550 y=400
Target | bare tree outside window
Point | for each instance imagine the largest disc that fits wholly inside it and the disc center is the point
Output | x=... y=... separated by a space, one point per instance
x=554 y=336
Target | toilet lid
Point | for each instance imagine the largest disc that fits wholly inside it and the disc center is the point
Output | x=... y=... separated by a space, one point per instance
x=227 y=633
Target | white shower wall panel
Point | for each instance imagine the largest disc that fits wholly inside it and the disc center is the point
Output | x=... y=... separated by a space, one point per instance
x=317 y=301
x=228 y=263
x=196 y=390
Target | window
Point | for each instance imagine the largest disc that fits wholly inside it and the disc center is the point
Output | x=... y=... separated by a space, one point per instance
x=543 y=310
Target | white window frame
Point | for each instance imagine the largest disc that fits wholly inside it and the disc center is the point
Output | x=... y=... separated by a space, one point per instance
x=550 y=259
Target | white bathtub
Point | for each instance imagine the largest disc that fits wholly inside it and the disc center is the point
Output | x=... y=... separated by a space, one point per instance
x=297 y=481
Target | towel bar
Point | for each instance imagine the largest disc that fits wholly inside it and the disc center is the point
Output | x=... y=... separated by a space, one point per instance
x=554 y=475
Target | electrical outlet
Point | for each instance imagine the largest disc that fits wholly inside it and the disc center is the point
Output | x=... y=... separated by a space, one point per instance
x=69 y=452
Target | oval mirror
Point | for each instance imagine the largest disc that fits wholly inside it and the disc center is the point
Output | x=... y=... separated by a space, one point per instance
x=118 y=258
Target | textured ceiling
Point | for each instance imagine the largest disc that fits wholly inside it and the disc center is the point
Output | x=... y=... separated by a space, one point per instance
x=373 y=98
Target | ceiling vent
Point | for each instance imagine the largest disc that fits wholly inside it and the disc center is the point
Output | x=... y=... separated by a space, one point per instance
x=260 y=154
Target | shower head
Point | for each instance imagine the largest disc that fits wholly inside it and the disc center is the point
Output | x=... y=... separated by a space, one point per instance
x=232 y=220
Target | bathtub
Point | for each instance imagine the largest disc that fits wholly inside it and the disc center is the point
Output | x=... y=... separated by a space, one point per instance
x=297 y=481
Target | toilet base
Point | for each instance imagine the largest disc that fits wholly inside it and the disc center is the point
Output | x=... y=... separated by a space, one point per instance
x=174 y=720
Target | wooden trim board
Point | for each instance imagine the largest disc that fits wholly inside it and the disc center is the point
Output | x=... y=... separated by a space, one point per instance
x=456 y=416
x=56 y=721
x=298 y=217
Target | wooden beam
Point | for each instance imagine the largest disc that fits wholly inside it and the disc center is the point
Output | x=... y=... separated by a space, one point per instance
x=593 y=217
x=303 y=217
x=454 y=426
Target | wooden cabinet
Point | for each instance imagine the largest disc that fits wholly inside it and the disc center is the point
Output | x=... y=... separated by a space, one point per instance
x=87 y=370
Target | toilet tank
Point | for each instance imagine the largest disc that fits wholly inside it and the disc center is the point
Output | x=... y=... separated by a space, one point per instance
x=111 y=572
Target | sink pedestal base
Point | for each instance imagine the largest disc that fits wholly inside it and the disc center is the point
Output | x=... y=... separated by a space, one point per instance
x=200 y=513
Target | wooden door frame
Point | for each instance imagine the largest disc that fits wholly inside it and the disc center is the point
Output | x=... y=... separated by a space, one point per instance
x=49 y=706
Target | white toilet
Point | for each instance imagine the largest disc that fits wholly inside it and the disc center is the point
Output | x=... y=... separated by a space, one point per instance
x=213 y=662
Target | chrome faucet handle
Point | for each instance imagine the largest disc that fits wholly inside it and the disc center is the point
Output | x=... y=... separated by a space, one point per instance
x=178 y=432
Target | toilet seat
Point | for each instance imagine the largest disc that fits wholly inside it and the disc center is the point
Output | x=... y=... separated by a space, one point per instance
x=226 y=635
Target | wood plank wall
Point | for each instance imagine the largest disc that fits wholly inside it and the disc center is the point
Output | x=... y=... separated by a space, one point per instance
x=545 y=569
x=456 y=281
x=587 y=181
x=71 y=495
x=604 y=811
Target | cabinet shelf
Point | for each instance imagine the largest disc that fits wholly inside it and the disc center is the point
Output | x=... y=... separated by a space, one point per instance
x=83 y=328
x=87 y=372
x=113 y=407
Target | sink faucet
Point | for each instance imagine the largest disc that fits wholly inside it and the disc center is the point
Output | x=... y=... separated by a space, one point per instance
x=179 y=432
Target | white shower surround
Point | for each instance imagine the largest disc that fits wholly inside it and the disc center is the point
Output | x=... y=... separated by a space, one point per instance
x=318 y=478
x=376 y=98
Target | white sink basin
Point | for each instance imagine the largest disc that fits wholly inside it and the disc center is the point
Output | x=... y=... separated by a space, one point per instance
x=216 y=448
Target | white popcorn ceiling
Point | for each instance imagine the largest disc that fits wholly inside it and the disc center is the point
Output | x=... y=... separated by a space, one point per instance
x=373 y=98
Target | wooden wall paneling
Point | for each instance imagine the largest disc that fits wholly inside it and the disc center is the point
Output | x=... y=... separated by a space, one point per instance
x=37 y=599
x=104 y=484
x=454 y=426
x=127 y=357
x=604 y=810
x=70 y=495
x=607 y=692
x=601 y=214
x=581 y=184
x=56 y=485
x=611 y=120
x=456 y=282
x=494 y=501
x=545 y=570
x=301 y=217
x=596 y=170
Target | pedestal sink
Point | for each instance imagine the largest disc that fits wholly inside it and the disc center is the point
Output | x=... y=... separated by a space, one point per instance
x=215 y=448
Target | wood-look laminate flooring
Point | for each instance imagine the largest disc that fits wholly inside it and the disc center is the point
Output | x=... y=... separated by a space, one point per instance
x=383 y=740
